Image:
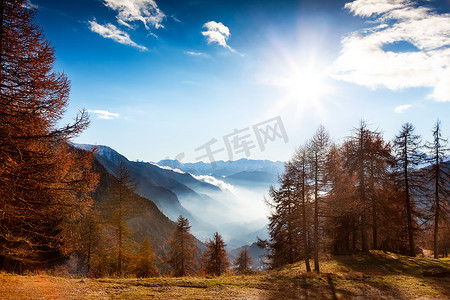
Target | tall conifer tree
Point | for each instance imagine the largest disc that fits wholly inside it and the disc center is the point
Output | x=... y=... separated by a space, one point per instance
x=44 y=182
x=182 y=252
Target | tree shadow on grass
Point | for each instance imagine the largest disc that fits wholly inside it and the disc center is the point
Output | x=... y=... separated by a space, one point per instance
x=385 y=263
x=306 y=287
x=376 y=265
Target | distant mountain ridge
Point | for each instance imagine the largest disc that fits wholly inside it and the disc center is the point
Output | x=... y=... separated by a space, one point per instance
x=256 y=253
x=222 y=168
x=213 y=198
x=156 y=184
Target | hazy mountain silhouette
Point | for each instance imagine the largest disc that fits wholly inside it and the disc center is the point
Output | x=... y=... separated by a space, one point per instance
x=157 y=185
x=148 y=221
x=255 y=252
x=223 y=169
x=225 y=203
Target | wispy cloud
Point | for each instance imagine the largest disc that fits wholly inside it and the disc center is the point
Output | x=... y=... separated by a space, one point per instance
x=110 y=31
x=195 y=53
x=367 y=8
x=104 y=114
x=214 y=181
x=217 y=33
x=176 y=19
x=402 y=108
x=169 y=168
x=145 y=11
x=364 y=61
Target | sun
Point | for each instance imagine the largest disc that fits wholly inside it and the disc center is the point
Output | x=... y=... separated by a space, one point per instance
x=304 y=84
x=300 y=77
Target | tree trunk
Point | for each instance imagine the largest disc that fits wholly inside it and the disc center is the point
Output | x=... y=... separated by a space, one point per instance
x=374 y=209
x=437 y=207
x=412 y=250
x=316 y=216
x=305 y=237
x=289 y=225
x=119 y=259
x=364 y=242
x=354 y=238
x=362 y=195
x=182 y=255
x=89 y=250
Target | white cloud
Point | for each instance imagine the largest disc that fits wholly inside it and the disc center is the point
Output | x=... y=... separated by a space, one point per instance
x=145 y=11
x=175 y=19
x=364 y=61
x=104 y=114
x=169 y=168
x=217 y=33
x=194 y=53
x=110 y=31
x=402 y=108
x=214 y=181
x=442 y=88
x=367 y=8
x=125 y=24
x=204 y=178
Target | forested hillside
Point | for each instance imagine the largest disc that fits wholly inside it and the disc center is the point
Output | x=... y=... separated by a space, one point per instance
x=161 y=186
x=147 y=220
x=141 y=219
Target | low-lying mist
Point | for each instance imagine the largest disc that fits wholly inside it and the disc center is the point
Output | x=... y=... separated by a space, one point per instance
x=238 y=213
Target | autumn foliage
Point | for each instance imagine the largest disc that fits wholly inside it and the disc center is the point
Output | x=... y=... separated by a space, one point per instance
x=215 y=260
x=183 y=250
x=366 y=193
x=45 y=183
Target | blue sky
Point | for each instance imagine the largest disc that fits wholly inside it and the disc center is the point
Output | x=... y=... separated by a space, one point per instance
x=163 y=78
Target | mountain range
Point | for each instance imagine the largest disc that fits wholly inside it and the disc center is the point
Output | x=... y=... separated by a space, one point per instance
x=227 y=197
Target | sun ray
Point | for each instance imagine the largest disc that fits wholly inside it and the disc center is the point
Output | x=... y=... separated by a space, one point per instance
x=301 y=78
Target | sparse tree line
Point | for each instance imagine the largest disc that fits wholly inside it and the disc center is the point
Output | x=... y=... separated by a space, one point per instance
x=366 y=193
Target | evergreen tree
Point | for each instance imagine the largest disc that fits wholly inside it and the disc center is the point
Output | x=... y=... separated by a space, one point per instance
x=45 y=184
x=319 y=149
x=407 y=146
x=182 y=252
x=215 y=258
x=120 y=208
x=283 y=225
x=145 y=260
x=243 y=262
x=300 y=163
x=367 y=156
x=379 y=157
x=89 y=234
x=340 y=204
x=440 y=182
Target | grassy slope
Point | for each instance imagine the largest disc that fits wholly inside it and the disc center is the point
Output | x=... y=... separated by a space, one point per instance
x=374 y=276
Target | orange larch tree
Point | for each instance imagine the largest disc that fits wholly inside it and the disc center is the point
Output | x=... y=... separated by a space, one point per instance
x=45 y=183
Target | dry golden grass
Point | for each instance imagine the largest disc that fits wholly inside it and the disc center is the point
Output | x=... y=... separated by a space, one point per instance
x=377 y=275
